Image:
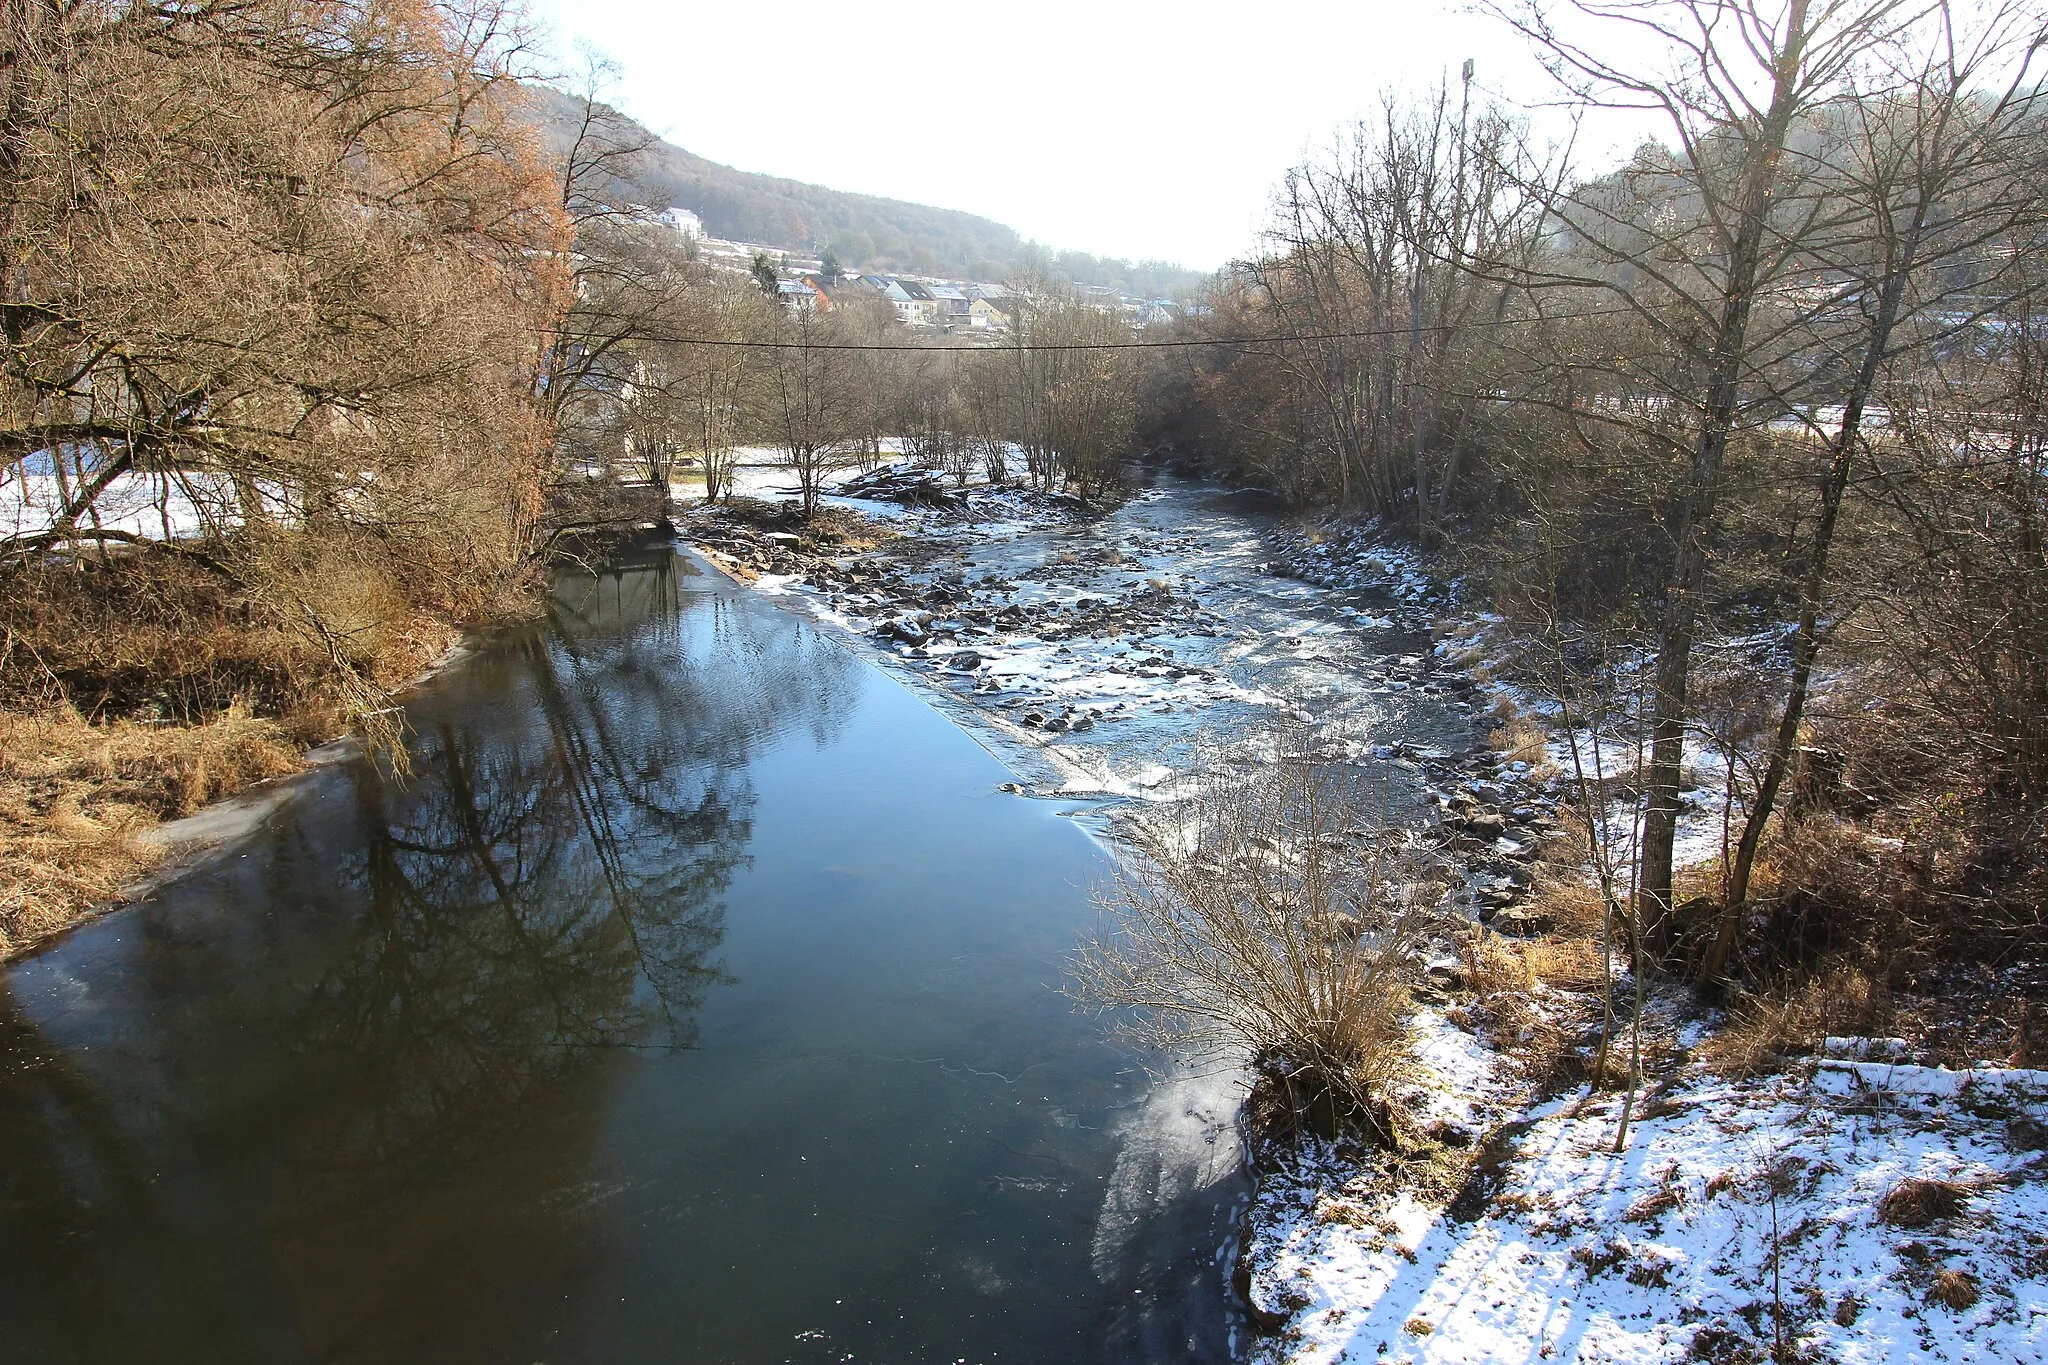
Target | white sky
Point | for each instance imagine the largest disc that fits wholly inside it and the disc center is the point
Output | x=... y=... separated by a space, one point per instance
x=1131 y=128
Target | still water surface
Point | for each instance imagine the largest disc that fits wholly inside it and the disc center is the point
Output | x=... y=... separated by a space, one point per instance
x=695 y=1000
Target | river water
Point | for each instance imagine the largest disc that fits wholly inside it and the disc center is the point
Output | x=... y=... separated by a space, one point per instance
x=1213 y=648
x=693 y=1000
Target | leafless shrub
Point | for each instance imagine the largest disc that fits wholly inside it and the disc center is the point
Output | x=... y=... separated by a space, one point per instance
x=1257 y=917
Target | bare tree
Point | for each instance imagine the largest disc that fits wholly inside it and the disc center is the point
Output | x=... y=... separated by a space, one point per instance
x=807 y=402
x=1380 y=389
x=1690 y=241
x=1936 y=174
x=1071 y=393
x=287 y=261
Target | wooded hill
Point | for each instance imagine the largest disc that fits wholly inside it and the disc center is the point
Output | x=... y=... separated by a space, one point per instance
x=863 y=231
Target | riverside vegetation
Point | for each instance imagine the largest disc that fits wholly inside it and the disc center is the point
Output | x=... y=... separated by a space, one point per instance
x=279 y=277
x=320 y=335
x=1735 y=451
x=1736 y=448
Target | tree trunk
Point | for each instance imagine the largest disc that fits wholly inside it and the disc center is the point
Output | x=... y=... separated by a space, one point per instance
x=1697 y=503
x=1806 y=642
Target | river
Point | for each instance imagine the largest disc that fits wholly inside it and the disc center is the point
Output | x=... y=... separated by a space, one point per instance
x=694 y=999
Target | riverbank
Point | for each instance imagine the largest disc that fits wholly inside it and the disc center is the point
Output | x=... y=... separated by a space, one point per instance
x=98 y=815
x=1760 y=1191
x=1106 y=652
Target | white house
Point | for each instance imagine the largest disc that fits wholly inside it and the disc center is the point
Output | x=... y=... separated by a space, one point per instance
x=914 y=304
x=685 y=223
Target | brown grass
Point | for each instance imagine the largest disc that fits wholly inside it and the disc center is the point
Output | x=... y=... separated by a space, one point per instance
x=1504 y=973
x=1921 y=1203
x=1654 y=1205
x=1956 y=1289
x=843 y=529
x=1566 y=956
x=138 y=686
x=1519 y=737
x=74 y=796
x=1772 y=1024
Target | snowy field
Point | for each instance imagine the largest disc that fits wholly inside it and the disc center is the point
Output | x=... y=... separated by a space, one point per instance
x=139 y=505
x=1741 y=1219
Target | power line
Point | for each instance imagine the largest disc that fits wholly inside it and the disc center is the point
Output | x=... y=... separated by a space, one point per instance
x=1367 y=334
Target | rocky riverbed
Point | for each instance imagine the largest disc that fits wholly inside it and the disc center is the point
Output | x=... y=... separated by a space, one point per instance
x=1101 y=651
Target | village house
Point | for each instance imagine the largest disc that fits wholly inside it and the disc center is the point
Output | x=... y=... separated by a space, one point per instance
x=950 y=305
x=992 y=315
x=913 y=302
x=899 y=298
x=797 y=295
x=924 y=308
x=684 y=223
x=831 y=293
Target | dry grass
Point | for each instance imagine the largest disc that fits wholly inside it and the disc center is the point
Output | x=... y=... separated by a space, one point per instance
x=141 y=689
x=1519 y=737
x=1956 y=1289
x=1922 y=1203
x=1534 y=995
x=846 y=530
x=1770 y=1025
x=138 y=686
x=74 y=796
x=832 y=529
x=1655 y=1204
x=1567 y=956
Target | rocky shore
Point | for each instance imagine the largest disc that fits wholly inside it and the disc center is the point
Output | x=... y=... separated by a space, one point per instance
x=1100 y=633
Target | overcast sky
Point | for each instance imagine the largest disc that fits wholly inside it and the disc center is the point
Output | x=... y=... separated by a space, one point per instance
x=1123 y=127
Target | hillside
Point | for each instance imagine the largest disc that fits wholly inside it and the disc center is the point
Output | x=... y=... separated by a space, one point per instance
x=863 y=231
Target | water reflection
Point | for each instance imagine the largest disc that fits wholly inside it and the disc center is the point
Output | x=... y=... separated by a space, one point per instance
x=395 y=1028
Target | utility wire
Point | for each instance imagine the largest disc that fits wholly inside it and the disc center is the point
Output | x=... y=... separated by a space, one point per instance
x=1175 y=344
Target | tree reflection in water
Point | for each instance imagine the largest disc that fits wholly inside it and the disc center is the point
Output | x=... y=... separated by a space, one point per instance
x=542 y=898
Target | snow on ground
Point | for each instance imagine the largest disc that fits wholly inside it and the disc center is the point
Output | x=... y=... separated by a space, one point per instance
x=1738 y=1216
x=1742 y=1220
x=140 y=505
x=1709 y=821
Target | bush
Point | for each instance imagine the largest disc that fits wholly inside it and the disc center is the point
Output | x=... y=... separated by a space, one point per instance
x=1262 y=916
x=1837 y=999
